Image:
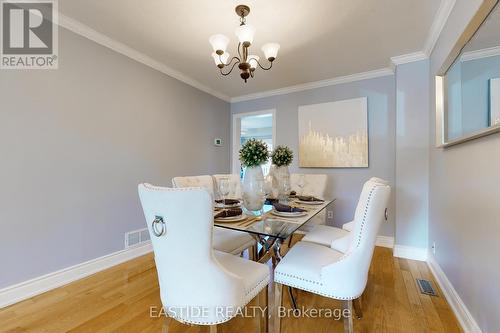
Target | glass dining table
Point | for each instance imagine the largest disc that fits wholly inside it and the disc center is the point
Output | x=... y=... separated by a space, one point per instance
x=272 y=231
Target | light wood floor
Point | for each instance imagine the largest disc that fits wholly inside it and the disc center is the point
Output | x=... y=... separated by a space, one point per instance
x=119 y=300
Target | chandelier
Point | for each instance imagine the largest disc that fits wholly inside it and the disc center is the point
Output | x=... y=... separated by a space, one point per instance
x=247 y=63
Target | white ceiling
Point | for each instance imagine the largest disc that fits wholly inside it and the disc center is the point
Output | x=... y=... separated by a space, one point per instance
x=320 y=39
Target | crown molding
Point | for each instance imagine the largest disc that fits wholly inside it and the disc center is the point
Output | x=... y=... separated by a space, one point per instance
x=479 y=54
x=444 y=11
x=407 y=58
x=316 y=84
x=89 y=33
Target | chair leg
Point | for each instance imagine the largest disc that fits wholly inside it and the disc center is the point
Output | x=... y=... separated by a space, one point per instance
x=213 y=328
x=264 y=307
x=292 y=298
x=278 y=291
x=357 y=308
x=252 y=253
x=164 y=327
x=347 y=313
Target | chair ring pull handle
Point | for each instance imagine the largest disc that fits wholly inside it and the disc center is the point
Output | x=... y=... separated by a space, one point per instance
x=154 y=226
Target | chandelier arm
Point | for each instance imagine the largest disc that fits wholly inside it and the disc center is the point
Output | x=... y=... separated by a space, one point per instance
x=266 y=69
x=230 y=61
x=232 y=67
x=239 y=52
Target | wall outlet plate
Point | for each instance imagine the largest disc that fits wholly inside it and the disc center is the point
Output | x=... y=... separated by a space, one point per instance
x=218 y=142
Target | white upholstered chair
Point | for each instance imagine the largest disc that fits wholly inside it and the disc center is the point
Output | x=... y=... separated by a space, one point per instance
x=337 y=238
x=234 y=186
x=313 y=185
x=205 y=181
x=196 y=282
x=225 y=240
x=331 y=273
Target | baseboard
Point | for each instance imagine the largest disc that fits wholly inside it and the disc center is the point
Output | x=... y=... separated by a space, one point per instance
x=410 y=252
x=385 y=241
x=39 y=285
x=468 y=323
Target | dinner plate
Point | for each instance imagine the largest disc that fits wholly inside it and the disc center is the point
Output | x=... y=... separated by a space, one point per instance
x=310 y=202
x=237 y=218
x=288 y=214
x=221 y=205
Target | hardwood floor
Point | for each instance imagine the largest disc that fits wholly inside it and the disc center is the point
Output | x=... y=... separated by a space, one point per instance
x=119 y=300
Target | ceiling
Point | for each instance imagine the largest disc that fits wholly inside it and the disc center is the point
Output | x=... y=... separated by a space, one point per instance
x=320 y=39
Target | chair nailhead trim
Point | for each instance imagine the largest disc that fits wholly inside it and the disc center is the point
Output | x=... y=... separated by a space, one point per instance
x=299 y=278
x=315 y=291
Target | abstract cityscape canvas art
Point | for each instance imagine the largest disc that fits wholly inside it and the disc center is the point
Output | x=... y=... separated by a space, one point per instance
x=334 y=135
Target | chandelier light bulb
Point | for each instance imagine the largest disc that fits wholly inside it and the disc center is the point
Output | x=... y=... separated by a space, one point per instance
x=271 y=50
x=245 y=34
x=252 y=60
x=224 y=57
x=219 y=42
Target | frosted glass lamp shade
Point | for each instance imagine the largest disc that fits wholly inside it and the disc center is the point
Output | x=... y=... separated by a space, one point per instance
x=271 y=50
x=245 y=34
x=252 y=60
x=219 y=42
x=224 y=57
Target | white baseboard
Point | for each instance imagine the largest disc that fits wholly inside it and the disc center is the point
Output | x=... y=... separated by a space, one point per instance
x=410 y=252
x=385 y=241
x=41 y=284
x=468 y=323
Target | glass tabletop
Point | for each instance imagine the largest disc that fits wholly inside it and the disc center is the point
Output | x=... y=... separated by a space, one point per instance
x=276 y=226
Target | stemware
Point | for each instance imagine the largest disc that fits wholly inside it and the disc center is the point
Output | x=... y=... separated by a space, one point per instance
x=224 y=188
x=301 y=182
x=284 y=189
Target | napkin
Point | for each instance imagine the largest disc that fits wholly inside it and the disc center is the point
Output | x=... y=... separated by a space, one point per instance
x=270 y=201
x=229 y=213
x=308 y=198
x=288 y=209
x=228 y=201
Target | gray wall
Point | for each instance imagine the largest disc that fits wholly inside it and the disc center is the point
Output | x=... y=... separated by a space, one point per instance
x=464 y=200
x=412 y=154
x=344 y=184
x=74 y=144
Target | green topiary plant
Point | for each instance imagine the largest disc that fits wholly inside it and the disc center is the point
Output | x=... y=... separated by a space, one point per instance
x=282 y=156
x=253 y=153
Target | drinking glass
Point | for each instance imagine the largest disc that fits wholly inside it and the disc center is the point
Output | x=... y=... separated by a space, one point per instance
x=224 y=188
x=301 y=182
x=284 y=189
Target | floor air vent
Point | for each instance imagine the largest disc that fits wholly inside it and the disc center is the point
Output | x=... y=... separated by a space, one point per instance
x=426 y=287
x=136 y=237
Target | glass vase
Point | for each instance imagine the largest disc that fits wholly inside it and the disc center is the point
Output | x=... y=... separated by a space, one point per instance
x=253 y=190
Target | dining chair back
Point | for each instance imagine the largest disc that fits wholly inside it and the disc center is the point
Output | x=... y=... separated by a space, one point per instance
x=234 y=186
x=205 y=181
x=314 y=184
x=370 y=212
x=229 y=241
x=332 y=273
x=193 y=282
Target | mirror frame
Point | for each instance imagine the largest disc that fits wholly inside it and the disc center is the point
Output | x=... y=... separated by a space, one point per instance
x=441 y=89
